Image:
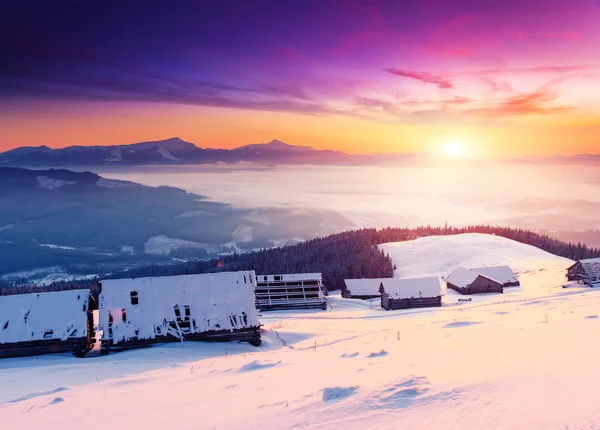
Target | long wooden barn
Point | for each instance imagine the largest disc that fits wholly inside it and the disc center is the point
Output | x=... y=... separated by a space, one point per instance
x=367 y=288
x=503 y=274
x=585 y=271
x=411 y=293
x=467 y=281
x=212 y=307
x=290 y=291
x=46 y=323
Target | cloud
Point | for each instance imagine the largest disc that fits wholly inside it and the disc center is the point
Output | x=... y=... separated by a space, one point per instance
x=442 y=82
x=496 y=86
x=538 y=69
x=536 y=102
x=564 y=35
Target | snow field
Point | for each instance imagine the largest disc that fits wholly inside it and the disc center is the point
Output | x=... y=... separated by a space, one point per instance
x=523 y=359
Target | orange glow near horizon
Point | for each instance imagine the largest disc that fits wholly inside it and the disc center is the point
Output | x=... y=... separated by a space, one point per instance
x=87 y=124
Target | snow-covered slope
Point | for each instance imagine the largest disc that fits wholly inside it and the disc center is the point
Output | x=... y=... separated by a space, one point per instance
x=523 y=361
x=537 y=270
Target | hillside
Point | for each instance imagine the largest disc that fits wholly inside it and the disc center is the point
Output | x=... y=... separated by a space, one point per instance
x=538 y=270
x=469 y=366
x=82 y=223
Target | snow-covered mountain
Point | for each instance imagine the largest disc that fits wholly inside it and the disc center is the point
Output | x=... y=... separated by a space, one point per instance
x=511 y=361
x=171 y=151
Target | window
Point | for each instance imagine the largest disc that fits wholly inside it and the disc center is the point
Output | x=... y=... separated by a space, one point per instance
x=134 y=297
x=48 y=334
x=277 y=278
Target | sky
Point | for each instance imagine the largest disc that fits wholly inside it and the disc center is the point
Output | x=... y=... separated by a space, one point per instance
x=470 y=77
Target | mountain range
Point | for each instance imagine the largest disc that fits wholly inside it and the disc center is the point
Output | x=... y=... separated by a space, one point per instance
x=175 y=151
x=171 y=151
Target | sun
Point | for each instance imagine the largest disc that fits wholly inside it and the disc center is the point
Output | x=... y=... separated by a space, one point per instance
x=454 y=149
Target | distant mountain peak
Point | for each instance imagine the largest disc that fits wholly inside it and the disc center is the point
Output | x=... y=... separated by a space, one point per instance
x=173 y=150
x=275 y=145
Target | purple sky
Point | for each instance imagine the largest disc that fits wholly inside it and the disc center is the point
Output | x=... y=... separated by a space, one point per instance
x=388 y=63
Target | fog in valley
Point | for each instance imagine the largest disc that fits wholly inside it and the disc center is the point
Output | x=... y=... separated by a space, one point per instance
x=561 y=200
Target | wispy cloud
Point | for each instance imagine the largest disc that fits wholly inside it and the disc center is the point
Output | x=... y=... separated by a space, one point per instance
x=563 y=35
x=526 y=70
x=534 y=103
x=440 y=81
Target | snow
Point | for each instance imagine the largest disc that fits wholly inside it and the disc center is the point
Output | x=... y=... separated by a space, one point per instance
x=193 y=214
x=49 y=245
x=128 y=249
x=7 y=227
x=163 y=245
x=463 y=277
x=52 y=184
x=217 y=301
x=412 y=287
x=44 y=276
x=290 y=277
x=113 y=183
x=165 y=153
x=519 y=360
x=53 y=315
x=590 y=260
x=364 y=287
x=502 y=274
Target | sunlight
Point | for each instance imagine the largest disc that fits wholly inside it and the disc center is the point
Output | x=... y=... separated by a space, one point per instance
x=454 y=149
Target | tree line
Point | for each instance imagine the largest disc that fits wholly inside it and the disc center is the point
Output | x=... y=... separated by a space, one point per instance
x=346 y=255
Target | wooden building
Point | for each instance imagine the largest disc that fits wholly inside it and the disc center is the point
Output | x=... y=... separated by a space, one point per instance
x=45 y=323
x=364 y=289
x=467 y=281
x=585 y=272
x=410 y=293
x=212 y=307
x=290 y=291
x=502 y=274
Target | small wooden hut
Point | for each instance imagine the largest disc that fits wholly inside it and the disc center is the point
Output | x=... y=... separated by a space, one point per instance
x=467 y=281
x=410 y=293
x=502 y=274
x=290 y=291
x=362 y=288
x=45 y=323
x=213 y=307
x=585 y=271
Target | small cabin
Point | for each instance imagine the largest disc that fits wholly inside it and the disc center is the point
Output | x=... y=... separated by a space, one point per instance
x=503 y=274
x=410 y=293
x=585 y=271
x=213 y=307
x=290 y=291
x=46 y=323
x=467 y=281
x=362 y=288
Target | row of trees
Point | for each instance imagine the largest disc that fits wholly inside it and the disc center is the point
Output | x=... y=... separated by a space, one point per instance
x=351 y=254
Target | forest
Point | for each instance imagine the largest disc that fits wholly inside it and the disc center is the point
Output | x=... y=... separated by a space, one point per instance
x=350 y=254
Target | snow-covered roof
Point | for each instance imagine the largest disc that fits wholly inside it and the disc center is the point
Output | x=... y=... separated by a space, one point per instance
x=43 y=316
x=502 y=274
x=364 y=287
x=591 y=267
x=589 y=260
x=412 y=287
x=290 y=277
x=216 y=301
x=462 y=277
